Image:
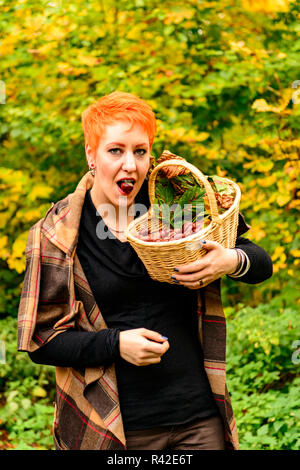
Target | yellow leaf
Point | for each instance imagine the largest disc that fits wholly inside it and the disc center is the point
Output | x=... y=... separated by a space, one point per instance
x=258 y=233
x=65 y=68
x=87 y=60
x=17 y=264
x=274 y=341
x=18 y=248
x=178 y=16
x=275 y=268
x=4 y=253
x=295 y=253
x=40 y=191
x=55 y=33
x=277 y=252
x=294 y=204
x=202 y=136
x=39 y=392
x=264 y=165
x=266 y=6
x=7 y=45
x=135 y=31
x=45 y=49
x=240 y=46
x=32 y=214
x=260 y=105
x=268 y=181
x=283 y=199
x=17 y=258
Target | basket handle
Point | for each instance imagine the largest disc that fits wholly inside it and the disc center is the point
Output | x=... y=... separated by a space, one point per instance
x=200 y=177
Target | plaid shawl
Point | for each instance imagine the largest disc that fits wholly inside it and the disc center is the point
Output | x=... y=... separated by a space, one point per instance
x=56 y=296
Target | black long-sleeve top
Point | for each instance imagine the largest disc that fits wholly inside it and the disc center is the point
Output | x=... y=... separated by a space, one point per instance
x=129 y=298
x=87 y=349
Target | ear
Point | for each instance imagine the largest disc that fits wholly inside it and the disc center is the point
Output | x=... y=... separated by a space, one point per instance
x=89 y=154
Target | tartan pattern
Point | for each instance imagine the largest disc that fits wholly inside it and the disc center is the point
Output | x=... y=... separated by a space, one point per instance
x=56 y=296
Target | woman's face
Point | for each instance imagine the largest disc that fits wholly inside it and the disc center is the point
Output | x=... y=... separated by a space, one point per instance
x=121 y=154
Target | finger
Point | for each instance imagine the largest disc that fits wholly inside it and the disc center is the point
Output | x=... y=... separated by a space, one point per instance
x=150 y=361
x=153 y=335
x=157 y=348
x=195 y=284
x=149 y=355
x=193 y=277
x=199 y=263
x=210 y=244
x=193 y=267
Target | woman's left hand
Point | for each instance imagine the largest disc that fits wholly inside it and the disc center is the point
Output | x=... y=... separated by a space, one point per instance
x=217 y=262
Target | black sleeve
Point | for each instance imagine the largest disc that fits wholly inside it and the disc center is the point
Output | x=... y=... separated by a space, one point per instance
x=261 y=267
x=80 y=349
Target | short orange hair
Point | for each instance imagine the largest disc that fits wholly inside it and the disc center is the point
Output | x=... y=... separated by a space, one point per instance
x=117 y=106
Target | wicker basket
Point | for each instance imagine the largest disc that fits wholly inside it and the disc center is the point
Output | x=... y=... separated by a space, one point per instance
x=161 y=257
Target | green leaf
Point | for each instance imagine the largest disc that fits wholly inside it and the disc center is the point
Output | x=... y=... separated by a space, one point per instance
x=187 y=196
x=165 y=211
x=263 y=430
x=219 y=184
x=26 y=403
x=164 y=193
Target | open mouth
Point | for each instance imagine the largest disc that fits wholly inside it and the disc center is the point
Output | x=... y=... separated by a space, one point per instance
x=126 y=185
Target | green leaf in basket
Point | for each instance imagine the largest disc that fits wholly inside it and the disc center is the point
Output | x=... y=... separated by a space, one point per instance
x=192 y=202
x=181 y=198
x=198 y=215
x=187 y=196
x=219 y=185
x=176 y=216
x=185 y=180
x=155 y=207
x=164 y=193
x=165 y=212
x=199 y=195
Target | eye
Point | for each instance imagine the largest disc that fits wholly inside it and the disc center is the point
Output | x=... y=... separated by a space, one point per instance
x=113 y=151
x=116 y=150
x=141 y=150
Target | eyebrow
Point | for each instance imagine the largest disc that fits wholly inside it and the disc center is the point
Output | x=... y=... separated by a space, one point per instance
x=122 y=145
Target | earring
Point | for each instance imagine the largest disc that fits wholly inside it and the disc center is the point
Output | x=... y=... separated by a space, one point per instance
x=92 y=169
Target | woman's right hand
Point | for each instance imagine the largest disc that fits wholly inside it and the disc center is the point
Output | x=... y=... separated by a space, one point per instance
x=135 y=346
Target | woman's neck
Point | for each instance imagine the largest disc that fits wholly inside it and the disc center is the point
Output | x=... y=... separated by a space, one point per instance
x=115 y=217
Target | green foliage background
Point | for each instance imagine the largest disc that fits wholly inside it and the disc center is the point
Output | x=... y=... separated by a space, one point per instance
x=221 y=79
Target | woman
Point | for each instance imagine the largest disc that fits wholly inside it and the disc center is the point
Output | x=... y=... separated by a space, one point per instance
x=140 y=364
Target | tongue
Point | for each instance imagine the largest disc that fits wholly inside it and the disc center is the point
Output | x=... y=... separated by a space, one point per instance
x=126 y=187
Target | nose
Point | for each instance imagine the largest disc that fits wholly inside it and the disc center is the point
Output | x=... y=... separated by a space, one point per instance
x=129 y=163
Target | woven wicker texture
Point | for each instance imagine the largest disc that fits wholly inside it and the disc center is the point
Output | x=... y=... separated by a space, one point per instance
x=161 y=257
